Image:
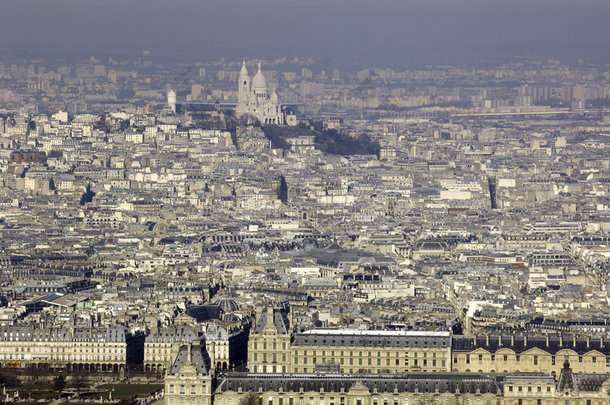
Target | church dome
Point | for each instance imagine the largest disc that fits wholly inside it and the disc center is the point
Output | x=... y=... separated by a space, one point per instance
x=227 y=304
x=259 y=83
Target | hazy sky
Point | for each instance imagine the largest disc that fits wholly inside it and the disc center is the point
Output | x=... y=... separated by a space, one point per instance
x=375 y=31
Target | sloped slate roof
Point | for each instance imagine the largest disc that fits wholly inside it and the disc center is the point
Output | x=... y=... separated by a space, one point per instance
x=422 y=382
x=197 y=356
x=279 y=320
x=521 y=344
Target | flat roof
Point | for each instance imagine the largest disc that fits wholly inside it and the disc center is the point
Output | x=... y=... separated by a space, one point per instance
x=359 y=332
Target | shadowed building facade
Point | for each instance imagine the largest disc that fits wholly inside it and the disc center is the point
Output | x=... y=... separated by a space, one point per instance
x=162 y=344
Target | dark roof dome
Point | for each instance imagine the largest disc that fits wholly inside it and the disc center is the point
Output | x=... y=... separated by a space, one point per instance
x=227 y=304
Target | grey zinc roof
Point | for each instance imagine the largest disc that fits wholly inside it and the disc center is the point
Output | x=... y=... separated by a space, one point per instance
x=226 y=303
x=372 y=338
x=279 y=320
x=589 y=382
x=172 y=334
x=422 y=382
x=205 y=312
x=520 y=344
x=195 y=355
x=114 y=333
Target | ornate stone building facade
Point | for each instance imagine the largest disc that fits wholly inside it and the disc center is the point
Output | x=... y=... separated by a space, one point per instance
x=190 y=382
x=92 y=348
x=358 y=367
x=376 y=352
x=230 y=344
x=345 y=389
x=511 y=354
x=162 y=344
x=269 y=343
x=272 y=348
x=255 y=100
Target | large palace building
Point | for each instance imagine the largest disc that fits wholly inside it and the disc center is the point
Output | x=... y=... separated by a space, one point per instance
x=372 y=367
x=107 y=348
x=272 y=349
x=193 y=380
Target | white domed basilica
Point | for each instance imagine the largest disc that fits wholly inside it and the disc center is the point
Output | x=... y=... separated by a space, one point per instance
x=255 y=100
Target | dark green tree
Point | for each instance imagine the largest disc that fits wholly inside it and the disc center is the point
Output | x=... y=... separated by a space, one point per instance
x=102 y=125
x=87 y=196
x=282 y=191
x=59 y=384
x=8 y=379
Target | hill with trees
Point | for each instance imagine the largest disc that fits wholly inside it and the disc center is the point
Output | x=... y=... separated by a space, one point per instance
x=327 y=140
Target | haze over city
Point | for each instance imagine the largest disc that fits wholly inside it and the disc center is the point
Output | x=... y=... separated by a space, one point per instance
x=386 y=32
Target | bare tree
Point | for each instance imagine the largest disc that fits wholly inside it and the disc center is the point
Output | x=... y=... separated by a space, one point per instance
x=80 y=380
x=250 y=398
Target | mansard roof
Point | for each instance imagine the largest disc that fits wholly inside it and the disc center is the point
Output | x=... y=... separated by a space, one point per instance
x=172 y=334
x=521 y=344
x=191 y=355
x=420 y=382
x=280 y=321
x=372 y=338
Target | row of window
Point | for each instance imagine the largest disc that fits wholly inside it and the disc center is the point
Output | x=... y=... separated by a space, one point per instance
x=432 y=343
x=341 y=400
x=539 y=402
x=369 y=360
x=273 y=344
x=184 y=388
x=535 y=359
x=188 y=401
x=11 y=338
x=415 y=354
x=157 y=358
x=60 y=357
x=360 y=370
x=164 y=345
x=272 y=357
x=269 y=369
x=44 y=349
x=154 y=351
x=529 y=388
